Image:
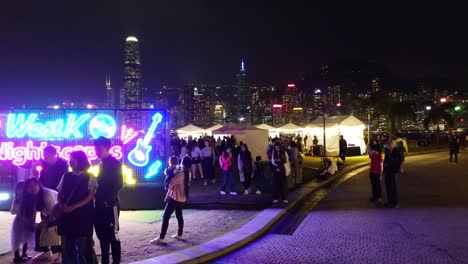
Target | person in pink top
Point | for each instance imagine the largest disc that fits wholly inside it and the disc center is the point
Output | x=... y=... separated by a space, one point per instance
x=175 y=199
x=376 y=168
x=226 y=162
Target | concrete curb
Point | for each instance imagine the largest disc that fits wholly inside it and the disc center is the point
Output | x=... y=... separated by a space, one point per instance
x=247 y=233
x=251 y=230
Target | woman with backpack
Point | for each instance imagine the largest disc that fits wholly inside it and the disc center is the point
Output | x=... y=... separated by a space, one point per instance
x=245 y=164
x=279 y=159
x=226 y=162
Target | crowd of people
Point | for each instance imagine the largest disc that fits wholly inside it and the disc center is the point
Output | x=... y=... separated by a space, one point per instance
x=72 y=205
x=207 y=153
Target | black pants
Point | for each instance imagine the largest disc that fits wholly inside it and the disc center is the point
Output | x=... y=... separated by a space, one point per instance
x=247 y=179
x=107 y=230
x=452 y=153
x=208 y=169
x=342 y=154
x=78 y=250
x=172 y=206
x=391 y=187
x=280 y=185
x=376 y=187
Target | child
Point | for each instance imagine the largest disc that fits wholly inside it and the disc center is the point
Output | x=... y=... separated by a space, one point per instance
x=169 y=172
x=22 y=230
x=175 y=199
x=226 y=162
x=259 y=175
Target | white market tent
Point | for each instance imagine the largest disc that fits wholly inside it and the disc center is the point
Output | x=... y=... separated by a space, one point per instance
x=210 y=129
x=190 y=130
x=349 y=126
x=255 y=138
x=291 y=128
x=272 y=131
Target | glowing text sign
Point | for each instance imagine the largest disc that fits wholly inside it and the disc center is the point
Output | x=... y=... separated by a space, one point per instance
x=29 y=126
x=19 y=155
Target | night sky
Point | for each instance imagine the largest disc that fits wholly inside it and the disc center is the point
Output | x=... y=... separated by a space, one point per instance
x=52 y=50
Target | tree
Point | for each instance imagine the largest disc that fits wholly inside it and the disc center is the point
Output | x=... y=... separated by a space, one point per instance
x=437 y=115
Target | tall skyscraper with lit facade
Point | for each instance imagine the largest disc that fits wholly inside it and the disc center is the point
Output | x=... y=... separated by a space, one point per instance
x=131 y=94
x=110 y=95
x=241 y=107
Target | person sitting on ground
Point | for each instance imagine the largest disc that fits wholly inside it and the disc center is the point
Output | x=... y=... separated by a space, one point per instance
x=330 y=169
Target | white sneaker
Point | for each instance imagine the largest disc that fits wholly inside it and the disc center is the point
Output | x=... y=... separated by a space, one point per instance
x=222 y=192
x=214 y=181
x=233 y=193
x=158 y=241
x=275 y=201
x=285 y=201
x=246 y=192
x=258 y=192
x=176 y=236
x=205 y=183
x=44 y=256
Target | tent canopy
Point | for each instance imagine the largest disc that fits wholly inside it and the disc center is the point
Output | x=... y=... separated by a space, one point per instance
x=255 y=138
x=350 y=127
x=210 y=129
x=291 y=126
x=347 y=120
x=265 y=126
x=190 y=129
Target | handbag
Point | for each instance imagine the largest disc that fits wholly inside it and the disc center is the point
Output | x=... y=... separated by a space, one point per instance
x=49 y=236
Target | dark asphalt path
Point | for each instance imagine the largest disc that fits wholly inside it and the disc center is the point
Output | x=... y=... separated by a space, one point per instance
x=430 y=227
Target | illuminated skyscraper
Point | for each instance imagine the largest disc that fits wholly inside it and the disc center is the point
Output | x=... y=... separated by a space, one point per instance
x=110 y=96
x=131 y=94
x=241 y=107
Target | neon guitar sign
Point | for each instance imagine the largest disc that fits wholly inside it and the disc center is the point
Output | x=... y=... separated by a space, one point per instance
x=139 y=156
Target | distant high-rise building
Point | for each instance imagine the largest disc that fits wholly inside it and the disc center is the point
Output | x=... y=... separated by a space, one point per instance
x=201 y=106
x=376 y=84
x=110 y=95
x=132 y=92
x=241 y=108
x=318 y=102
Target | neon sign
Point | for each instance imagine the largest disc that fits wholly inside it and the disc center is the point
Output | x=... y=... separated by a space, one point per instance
x=154 y=169
x=22 y=125
x=26 y=134
x=19 y=126
x=102 y=125
x=19 y=155
x=128 y=134
x=139 y=156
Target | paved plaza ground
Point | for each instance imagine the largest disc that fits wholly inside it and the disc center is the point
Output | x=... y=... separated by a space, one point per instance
x=139 y=227
x=430 y=227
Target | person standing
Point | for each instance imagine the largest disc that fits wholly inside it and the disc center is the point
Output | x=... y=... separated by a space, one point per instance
x=259 y=175
x=76 y=195
x=343 y=148
x=107 y=202
x=195 y=155
x=175 y=200
x=279 y=158
x=454 y=145
x=245 y=164
x=208 y=160
x=393 y=166
x=226 y=162
x=376 y=169
x=53 y=168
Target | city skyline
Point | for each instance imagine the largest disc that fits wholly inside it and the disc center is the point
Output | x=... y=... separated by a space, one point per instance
x=71 y=59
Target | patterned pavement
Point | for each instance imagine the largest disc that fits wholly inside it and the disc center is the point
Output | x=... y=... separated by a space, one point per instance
x=430 y=227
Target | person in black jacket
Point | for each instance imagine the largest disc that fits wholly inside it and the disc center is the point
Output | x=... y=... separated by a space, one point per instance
x=393 y=167
x=53 y=168
x=107 y=202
